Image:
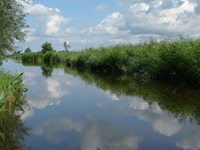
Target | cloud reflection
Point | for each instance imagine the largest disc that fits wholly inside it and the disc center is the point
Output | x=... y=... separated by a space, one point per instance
x=53 y=129
x=160 y=121
x=112 y=96
x=92 y=136
x=46 y=92
x=54 y=89
x=101 y=135
x=191 y=141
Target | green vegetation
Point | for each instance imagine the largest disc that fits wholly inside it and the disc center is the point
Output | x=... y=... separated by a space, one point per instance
x=11 y=90
x=171 y=61
x=12 y=25
x=27 y=50
x=12 y=99
x=46 y=47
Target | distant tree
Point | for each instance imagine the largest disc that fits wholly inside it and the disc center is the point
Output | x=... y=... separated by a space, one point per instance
x=66 y=45
x=27 y=50
x=12 y=25
x=46 y=47
x=17 y=52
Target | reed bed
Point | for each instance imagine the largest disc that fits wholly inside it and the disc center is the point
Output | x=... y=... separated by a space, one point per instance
x=168 y=60
x=11 y=91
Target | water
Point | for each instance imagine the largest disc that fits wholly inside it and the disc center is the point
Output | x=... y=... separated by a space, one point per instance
x=68 y=111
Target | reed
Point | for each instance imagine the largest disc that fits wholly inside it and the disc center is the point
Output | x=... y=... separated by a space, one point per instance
x=168 y=60
x=11 y=91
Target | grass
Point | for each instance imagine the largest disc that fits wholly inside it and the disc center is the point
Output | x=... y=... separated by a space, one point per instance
x=168 y=60
x=11 y=91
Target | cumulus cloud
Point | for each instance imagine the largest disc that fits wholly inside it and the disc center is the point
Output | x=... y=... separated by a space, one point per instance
x=49 y=19
x=110 y=25
x=138 y=20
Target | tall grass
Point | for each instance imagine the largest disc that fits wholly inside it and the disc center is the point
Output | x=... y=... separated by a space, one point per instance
x=11 y=91
x=168 y=60
x=173 y=61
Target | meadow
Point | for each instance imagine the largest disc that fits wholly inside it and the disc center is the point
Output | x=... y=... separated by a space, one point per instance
x=169 y=60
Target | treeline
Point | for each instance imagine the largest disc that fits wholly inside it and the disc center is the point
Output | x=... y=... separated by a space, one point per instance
x=171 y=61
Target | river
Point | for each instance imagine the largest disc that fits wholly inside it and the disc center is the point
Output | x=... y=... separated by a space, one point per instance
x=68 y=111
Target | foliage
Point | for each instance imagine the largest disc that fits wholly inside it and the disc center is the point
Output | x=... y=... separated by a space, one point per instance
x=46 y=47
x=11 y=89
x=12 y=99
x=174 y=61
x=32 y=58
x=12 y=24
x=27 y=50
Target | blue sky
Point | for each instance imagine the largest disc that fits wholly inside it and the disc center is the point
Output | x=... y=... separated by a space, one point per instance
x=92 y=23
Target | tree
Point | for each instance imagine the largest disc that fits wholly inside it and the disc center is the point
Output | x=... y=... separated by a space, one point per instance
x=12 y=25
x=46 y=47
x=27 y=50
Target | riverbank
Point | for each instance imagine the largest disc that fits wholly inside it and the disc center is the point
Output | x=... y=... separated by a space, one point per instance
x=170 y=61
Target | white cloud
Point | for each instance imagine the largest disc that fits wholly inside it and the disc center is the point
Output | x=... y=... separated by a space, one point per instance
x=71 y=31
x=133 y=22
x=100 y=8
x=138 y=20
x=49 y=19
x=110 y=25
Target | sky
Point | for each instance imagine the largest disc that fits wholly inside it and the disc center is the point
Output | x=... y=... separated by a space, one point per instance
x=93 y=23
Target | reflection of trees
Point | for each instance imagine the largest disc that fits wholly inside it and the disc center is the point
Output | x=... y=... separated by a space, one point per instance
x=46 y=71
x=181 y=102
x=12 y=129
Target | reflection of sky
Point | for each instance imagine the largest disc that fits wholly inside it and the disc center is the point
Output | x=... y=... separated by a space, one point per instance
x=95 y=135
x=63 y=107
x=44 y=91
x=191 y=140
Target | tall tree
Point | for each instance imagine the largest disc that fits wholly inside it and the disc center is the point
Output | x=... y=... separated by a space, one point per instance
x=46 y=47
x=12 y=24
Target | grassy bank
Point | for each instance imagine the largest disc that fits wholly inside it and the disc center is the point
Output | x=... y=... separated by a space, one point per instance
x=171 y=61
x=11 y=91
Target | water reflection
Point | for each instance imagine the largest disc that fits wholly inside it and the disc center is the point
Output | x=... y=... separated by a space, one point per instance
x=46 y=71
x=96 y=135
x=12 y=131
x=191 y=140
x=79 y=110
x=181 y=102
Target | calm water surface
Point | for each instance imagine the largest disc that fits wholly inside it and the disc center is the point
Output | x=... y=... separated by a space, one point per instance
x=66 y=113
